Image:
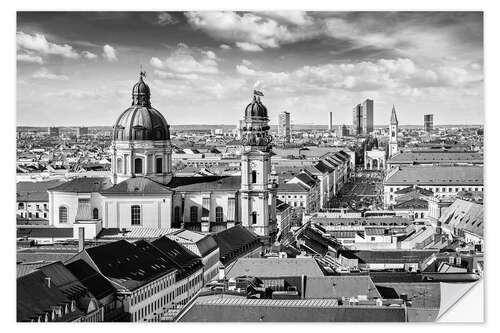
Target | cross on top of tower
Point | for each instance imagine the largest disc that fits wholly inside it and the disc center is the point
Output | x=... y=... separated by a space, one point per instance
x=142 y=73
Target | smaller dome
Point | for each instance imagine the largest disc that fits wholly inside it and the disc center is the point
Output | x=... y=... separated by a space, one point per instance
x=141 y=95
x=256 y=109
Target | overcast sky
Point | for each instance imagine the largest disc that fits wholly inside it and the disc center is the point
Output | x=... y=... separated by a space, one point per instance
x=79 y=68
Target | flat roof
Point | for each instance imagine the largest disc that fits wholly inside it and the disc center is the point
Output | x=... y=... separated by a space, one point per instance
x=433 y=157
x=436 y=175
x=275 y=267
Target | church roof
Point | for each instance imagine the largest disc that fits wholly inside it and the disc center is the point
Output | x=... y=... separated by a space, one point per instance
x=206 y=183
x=83 y=185
x=35 y=191
x=137 y=186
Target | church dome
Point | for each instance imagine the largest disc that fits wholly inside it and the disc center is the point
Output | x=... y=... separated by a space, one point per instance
x=141 y=121
x=256 y=109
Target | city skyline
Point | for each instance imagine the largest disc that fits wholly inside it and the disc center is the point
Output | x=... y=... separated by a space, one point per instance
x=203 y=66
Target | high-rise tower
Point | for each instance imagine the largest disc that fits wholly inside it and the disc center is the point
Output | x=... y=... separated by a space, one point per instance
x=258 y=195
x=362 y=118
x=284 y=130
x=393 y=138
x=428 y=123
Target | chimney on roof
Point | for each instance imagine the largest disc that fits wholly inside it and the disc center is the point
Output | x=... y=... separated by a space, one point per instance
x=81 y=239
x=47 y=279
x=302 y=286
x=222 y=272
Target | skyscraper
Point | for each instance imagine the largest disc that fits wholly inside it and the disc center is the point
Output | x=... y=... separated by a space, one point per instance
x=428 y=122
x=362 y=118
x=330 y=123
x=367 y=106
x=284 y=131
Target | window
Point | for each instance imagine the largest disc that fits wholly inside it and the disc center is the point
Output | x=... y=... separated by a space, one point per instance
x=159 y=165
x=219 y=214
x=254 y=177
x=36 y=215
x=193 y=214
x=372 y=239
x=177 y=214
x=95 y=213
x=119 y=165
x=135 y=215
x=20 y=206
x=63 y=214
x=254 y=217
x=138 y=165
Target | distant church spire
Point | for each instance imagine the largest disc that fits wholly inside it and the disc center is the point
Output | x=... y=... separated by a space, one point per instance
x=394 y=118
x=393 y=134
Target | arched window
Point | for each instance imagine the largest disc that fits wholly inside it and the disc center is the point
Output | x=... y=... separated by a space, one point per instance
x=254 y=217
x=135 y=215
x=159 y=165
x=119 y=165
x=95 y=213
x=254 y=177
x=138 y=165
x=193 y=214
x=177 y=214
x=63 y=215
x=219 y=214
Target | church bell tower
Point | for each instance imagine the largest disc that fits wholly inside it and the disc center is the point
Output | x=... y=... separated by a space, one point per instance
x=258 y=195
x=393 y=138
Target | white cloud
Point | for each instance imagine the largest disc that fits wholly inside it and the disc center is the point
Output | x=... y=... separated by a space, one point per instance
x=44 y=74
x=244 y=70
x=249 y=47
x=109 y=53
x=210 y=54
x=290 y=16
x=165 y=18
x=389 y=75
x=30 y=58
x=89 y=55
x=225 y=47
x=38 y=43
x=246 y=62
x=176 y=76
x=250 y=31
x=187 y=60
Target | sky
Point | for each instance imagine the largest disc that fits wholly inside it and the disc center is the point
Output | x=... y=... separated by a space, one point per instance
x=78 y=68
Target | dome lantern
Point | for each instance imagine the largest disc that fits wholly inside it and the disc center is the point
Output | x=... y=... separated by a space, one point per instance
x=141 y=94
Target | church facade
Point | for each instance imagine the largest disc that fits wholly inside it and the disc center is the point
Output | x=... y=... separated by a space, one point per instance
x=143 y=192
